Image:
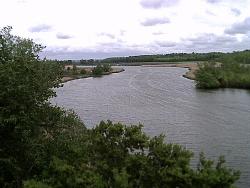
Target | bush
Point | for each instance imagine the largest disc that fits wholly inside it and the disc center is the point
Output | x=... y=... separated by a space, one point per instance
x=106 y=67
x=83 y=71
x=74 y=70
x=98 y=70
x=224 y=75
x=126 y=155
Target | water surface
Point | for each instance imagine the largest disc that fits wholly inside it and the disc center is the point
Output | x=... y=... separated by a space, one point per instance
x=214 y=121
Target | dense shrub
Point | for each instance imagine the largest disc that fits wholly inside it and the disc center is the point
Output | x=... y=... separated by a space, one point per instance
x=100 y=69
x=223 y=75
x=83 y=71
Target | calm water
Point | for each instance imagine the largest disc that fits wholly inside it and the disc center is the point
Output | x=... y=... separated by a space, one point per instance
x=216 y=122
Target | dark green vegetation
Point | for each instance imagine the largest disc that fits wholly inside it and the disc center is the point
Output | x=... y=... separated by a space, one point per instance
x=174 y=57
x=149 y=59
x=237 y=57
x=43 y=146
x=101 y=69
x=223 y=75
x=74 y=72
x=242 y=57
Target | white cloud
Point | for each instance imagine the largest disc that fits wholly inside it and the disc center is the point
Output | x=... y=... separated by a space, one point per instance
x=102 y=28
x=236 y=11
x=156 y=4
x=213 y=1
x=40 y=28
x=63 y=36
x=155 y=21
x=166 y=44
x=239 y=28
x=109 y=35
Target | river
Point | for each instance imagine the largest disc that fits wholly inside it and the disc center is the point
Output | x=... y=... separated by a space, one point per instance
x=214 y=121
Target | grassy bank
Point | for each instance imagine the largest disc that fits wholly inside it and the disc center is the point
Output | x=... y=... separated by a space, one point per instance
x=223 y=75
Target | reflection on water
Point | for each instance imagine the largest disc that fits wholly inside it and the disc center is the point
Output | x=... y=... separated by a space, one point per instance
x=215 y=121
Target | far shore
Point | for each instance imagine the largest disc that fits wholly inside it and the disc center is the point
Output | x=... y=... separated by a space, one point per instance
x=190 y=74
x=69 y=78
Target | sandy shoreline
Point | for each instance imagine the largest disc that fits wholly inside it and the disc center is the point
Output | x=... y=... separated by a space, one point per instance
x=190 y=74
x=68 y=78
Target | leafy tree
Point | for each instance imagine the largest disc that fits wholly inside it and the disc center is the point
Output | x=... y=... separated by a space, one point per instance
x=74 y=69
x=126 y=156
x=223 y=75
x=106 y=67
x=26 y=85
x=83 y=71
x=98 y=70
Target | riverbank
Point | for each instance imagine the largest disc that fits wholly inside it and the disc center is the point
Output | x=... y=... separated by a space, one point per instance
x=190 y=74
x=74 y=77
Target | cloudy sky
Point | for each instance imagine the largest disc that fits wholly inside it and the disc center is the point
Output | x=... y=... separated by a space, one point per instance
x=79 y=29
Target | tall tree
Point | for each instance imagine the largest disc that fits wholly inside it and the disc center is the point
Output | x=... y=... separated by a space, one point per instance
x=26 y=85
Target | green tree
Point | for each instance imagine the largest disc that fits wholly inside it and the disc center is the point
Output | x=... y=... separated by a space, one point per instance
x=222 y=75
x=98 y=70
x=74 y=69
x=83 y=71
x=106 y=67
x=126 y=156
x=26 y=85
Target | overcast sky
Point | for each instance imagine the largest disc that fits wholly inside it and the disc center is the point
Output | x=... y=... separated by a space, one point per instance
x=79 y=29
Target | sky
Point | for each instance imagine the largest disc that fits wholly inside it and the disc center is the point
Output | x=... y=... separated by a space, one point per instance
x=84 y=29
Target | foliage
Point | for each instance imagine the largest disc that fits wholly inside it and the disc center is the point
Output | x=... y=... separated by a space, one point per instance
x=45 y=146
x=173 y=57
x=35 y=184
x=74 y=70
x=242 y=57
x=26 y=85
x=100 y=69
x=223 y=75
x=115 y=155
x=125 y=156
x=106 y=67
x=83 y=71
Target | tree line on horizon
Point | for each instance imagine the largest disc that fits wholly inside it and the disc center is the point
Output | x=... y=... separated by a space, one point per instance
x=242 y=57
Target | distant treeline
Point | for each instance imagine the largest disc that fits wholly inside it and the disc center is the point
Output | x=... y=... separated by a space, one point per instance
x=173 y=57
x=242 y=57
